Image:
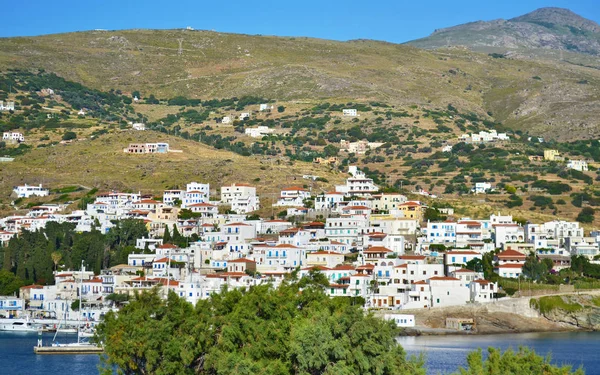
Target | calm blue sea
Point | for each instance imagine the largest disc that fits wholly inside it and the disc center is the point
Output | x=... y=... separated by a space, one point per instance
x=17 y=357
x=445 y=354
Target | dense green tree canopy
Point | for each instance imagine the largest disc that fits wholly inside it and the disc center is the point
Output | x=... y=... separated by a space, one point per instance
x=293 y=329
x=259 y=331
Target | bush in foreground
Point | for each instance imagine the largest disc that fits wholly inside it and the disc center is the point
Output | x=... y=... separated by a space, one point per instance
x=294 y=329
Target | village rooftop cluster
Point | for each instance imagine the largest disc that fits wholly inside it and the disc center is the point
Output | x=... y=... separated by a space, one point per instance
x=372 y=245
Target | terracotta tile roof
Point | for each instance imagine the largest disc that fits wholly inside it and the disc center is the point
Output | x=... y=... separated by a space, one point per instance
x=365 y=267
x=237 y=225
x=202 y=205
x=470 y=223
x=377 y=249
x=509 y=265
x=344 y=267
x=242 y=260
x=444 y=278
x=412 y=257
x=510 y=253
x=322 y=252
x=32 y=287
x=294 y=188
x=167 y=246
x=463 y=270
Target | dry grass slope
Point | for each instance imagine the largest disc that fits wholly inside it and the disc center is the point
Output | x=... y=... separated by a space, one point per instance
x=224 y=65
x=102 y=163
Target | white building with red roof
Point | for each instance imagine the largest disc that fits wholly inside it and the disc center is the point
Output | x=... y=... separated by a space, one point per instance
x=509 y=263
x=292 y=197
x=206 y=210
x=394 y=242
x=241 y=265
x=468 y=232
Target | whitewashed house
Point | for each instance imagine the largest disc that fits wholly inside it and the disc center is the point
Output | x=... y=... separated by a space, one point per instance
x=13 y=137
x=481 y=188
x=578 y=165
x=292 y=196
x=26 y=191
x=258 y=132
x=241 y=197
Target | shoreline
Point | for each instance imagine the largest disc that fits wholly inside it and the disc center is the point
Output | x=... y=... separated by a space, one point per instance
x=427 y=331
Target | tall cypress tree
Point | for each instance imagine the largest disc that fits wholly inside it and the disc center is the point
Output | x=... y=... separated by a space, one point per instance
x=166 y=235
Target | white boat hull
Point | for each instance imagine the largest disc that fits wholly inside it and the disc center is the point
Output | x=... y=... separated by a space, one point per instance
x=18 y=325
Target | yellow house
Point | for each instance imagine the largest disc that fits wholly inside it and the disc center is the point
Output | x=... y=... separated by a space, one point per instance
x=413 y=210
x=551 y=154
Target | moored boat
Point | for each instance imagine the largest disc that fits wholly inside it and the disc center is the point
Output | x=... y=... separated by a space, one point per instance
x=18 y=325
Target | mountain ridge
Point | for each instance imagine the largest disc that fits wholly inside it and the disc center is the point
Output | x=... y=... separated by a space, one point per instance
x=545 y=28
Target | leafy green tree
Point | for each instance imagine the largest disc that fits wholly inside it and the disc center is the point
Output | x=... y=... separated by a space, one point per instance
x=9 y=283
x=69 y=136
x=475 y=264
x=331 y=150
x=534 y=269
x=522 y=362
x=261 y=330
x=586 y=215
x=280 y=109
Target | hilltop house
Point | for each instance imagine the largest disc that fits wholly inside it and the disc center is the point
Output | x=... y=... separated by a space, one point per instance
x=13 y=137
x=26 y=191
x=147 y=148
x=7 y=106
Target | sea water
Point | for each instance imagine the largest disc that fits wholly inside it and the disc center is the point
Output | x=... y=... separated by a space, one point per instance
x=17 y=357
x=445 y=354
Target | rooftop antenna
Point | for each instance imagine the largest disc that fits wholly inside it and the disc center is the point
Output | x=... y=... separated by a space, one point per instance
x=180 y=50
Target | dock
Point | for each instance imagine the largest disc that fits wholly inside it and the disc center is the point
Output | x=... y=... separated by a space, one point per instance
x=83 y=349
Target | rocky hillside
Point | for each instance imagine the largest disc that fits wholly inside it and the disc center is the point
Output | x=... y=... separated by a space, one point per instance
x=580 y=311
x=545 y=28
x=541 y=97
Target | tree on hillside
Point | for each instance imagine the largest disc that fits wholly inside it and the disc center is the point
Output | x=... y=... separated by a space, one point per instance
x=586 y=215
x=9 y=283
x=69 y=136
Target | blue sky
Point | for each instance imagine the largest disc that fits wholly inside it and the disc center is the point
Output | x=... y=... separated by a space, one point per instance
x=394 y=21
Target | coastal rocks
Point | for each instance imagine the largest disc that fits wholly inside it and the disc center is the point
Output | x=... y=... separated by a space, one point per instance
x=581 y=311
